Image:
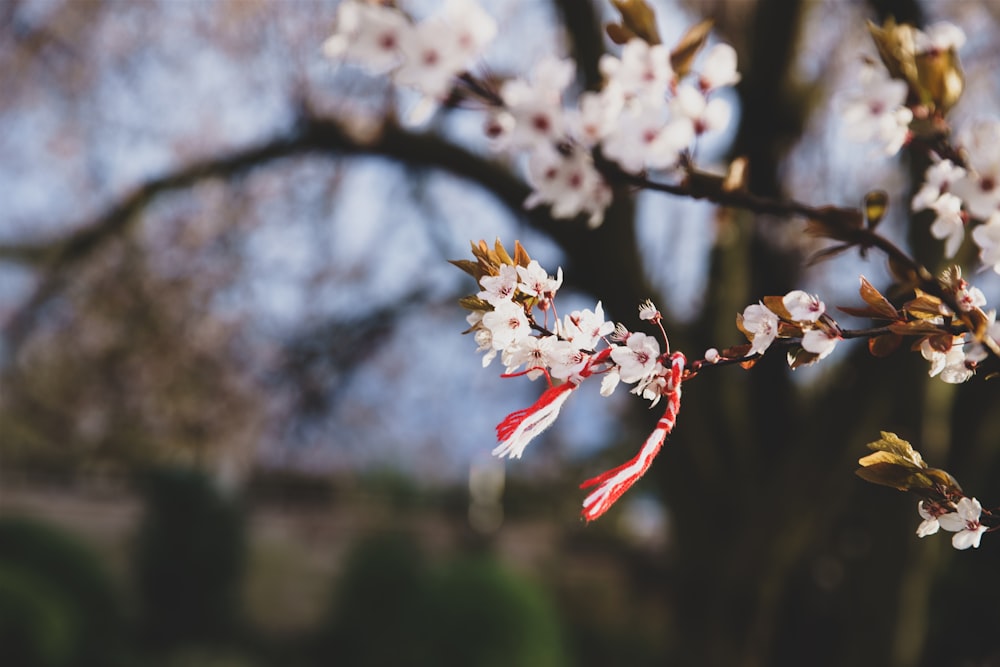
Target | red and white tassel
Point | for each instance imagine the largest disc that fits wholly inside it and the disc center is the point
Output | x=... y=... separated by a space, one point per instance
x=520 y=427
x=617 y=481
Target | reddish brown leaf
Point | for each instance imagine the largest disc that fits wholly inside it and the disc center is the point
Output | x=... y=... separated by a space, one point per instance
x=638 y=18
x=682 y=56
x=798 y=357
x=883 y=346
x=777 y=306
x=879 y=303
x=915 y=328
x=868 y=312
x=736 y=351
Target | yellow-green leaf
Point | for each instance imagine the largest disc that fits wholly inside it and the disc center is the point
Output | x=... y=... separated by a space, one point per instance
x=892 y=444
x=467 y=265
x=925 y=305
x=876 y=205
x=894 y=475
x=895 y=45
x=941 y=78
x=474 y=303
x=521 y=257
x=501 y=253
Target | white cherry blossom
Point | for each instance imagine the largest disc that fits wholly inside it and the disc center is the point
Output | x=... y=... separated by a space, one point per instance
x=536 y=104
x=876 y=111
x=648 y=311
x=500 y=287
x=820 y=342
x=536 y=281
x=472 y=28
x=938 y=37
x=569 y=183
x=610 y=381
x=507 y=323
x=653 y=385
x=532 y=352
x=705 y=115
x=949 y=225
x=586 y=328
x=369 y=35
x=597 y=115
x=430 y=62
x=644 y=71
x=644 y=139
x=929 y=525
x=637 y=358
x=950 y=365
x=970 y=297
x=762 y=325
x=987 y=237
x=939 y=179
x=964 y=522
x=483 y=336
x=979 y=188
x=718 y=68
x=568 y=361
x=802 y=306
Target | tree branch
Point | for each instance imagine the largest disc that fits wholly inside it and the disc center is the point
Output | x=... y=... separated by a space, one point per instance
x=311 y=136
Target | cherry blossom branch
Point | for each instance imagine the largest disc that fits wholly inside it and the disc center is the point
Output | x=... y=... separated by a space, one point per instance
x=847 y=223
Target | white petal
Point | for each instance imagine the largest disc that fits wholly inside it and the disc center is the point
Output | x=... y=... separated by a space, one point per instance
x=968 y=538
x=928 y=527
x=952 y=522
x=969 y=509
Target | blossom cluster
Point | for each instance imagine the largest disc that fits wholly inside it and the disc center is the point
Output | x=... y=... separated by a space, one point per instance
x=954 y=342
x=908 y=97
x=510 y=317
x=425 y=55
x=647 y=115
x=955 y=356
x=958 y=194
x=895 y=463
x=514 y=317
x=961 y=518
x=797 y=314
x=920 y=80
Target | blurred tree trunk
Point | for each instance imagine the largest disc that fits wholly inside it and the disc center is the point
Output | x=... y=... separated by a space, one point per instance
x=771 y=524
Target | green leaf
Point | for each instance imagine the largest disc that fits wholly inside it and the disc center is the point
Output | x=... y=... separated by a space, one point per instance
x=876 y=204
x=474 y=303
x=895 y=463
x=893 y=445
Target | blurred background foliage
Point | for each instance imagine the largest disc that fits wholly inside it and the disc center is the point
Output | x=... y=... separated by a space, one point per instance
x=238 y=425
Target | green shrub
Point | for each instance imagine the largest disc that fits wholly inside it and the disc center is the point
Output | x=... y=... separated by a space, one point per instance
x=392 y=609
x=57 y=605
